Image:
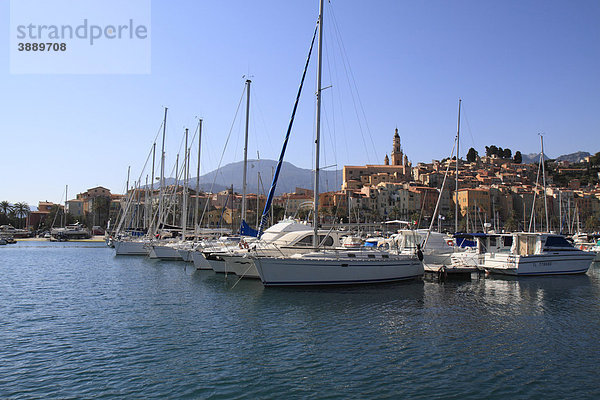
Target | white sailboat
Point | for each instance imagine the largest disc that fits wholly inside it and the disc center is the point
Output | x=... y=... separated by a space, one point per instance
x=333 y=267
x=125 y=244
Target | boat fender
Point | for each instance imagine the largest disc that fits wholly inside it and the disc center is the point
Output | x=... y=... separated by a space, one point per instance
x=419 y=253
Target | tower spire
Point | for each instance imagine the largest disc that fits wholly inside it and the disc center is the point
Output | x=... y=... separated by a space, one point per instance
x=397 y=154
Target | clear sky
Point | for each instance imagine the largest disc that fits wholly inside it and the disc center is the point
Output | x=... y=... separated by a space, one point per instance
x=521 y=67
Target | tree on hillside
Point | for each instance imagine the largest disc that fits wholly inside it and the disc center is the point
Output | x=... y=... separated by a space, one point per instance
x=491 y=150
x=518 y=159
x=595 y=160
x=472 y=155
x=507 y=153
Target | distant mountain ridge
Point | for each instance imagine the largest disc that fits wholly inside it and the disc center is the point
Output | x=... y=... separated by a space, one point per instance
x=533 y=158
x=290 y=177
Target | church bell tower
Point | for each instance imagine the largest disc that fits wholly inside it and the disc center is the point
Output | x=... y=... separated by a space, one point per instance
x=397 y=154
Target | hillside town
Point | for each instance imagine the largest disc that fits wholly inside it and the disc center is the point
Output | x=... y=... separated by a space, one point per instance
x=494 y=192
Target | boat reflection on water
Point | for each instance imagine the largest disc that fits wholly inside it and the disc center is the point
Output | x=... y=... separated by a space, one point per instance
x=545 y=291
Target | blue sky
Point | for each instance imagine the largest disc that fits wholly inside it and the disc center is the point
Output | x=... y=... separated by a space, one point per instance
x=521 y=67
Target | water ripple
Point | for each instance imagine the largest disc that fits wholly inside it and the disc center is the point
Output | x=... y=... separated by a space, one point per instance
x=77 y=322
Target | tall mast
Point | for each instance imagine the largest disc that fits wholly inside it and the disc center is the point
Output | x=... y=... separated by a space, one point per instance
x=185 y=177
x=244 y=184
x=162 y=174
x=456 y=184
x=66 y=197
x=257 y=190
x=544 y=181
x=560 y=213
x=146 y=206
x=198 y=172
x=318 y=129
x=173 y=198
x=152 y=185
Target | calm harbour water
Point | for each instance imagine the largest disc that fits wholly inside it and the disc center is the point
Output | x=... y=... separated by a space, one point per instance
x=78 y=322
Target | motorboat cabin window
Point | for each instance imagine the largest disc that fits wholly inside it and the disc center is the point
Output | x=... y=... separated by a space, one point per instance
x=409 y=241
x=527 y=245
x=307 y=241
x=557 y=241
x=508 y=240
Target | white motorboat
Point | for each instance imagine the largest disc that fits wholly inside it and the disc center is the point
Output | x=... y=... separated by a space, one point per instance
x=472 y=258
x=296 y=242
x=539 y=254
x=204 y=258
x=436 y=253
x=73 y=231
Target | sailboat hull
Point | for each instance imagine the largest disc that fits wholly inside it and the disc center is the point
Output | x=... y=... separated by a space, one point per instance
x=241 y=266
x=199 y=260
x=335 y=271
x=164 y=253
x=130 y=248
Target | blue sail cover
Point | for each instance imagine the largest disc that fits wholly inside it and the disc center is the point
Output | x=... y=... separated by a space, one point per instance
x=265 y=214
x=245 y=230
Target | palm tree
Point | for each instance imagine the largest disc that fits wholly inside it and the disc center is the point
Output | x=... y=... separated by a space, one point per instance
x=5 y=211
x=5 y=207
x=21 y=210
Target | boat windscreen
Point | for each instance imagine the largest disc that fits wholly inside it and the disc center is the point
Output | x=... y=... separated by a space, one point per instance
x=557 y=241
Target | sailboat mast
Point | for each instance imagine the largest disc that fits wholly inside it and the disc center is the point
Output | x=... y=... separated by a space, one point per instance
x=244 y=183
x=185 y=177
x=146 y=206
x=318 y=128
x=161 y=217
x=456 y=183
x=544 y=181
x=66 y=198
x=173 y=196
x=150 y=221
x=198 y=173
x=560 y=213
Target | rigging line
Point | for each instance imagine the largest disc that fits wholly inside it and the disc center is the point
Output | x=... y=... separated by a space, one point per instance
x=468 y=125
x=345 y=55
x=191 y=143
x=256 y=103
x=223 y=153
x=336 y=93
x=332 y=139
x=266 y=211
x=358 y=119
x=331 y=126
